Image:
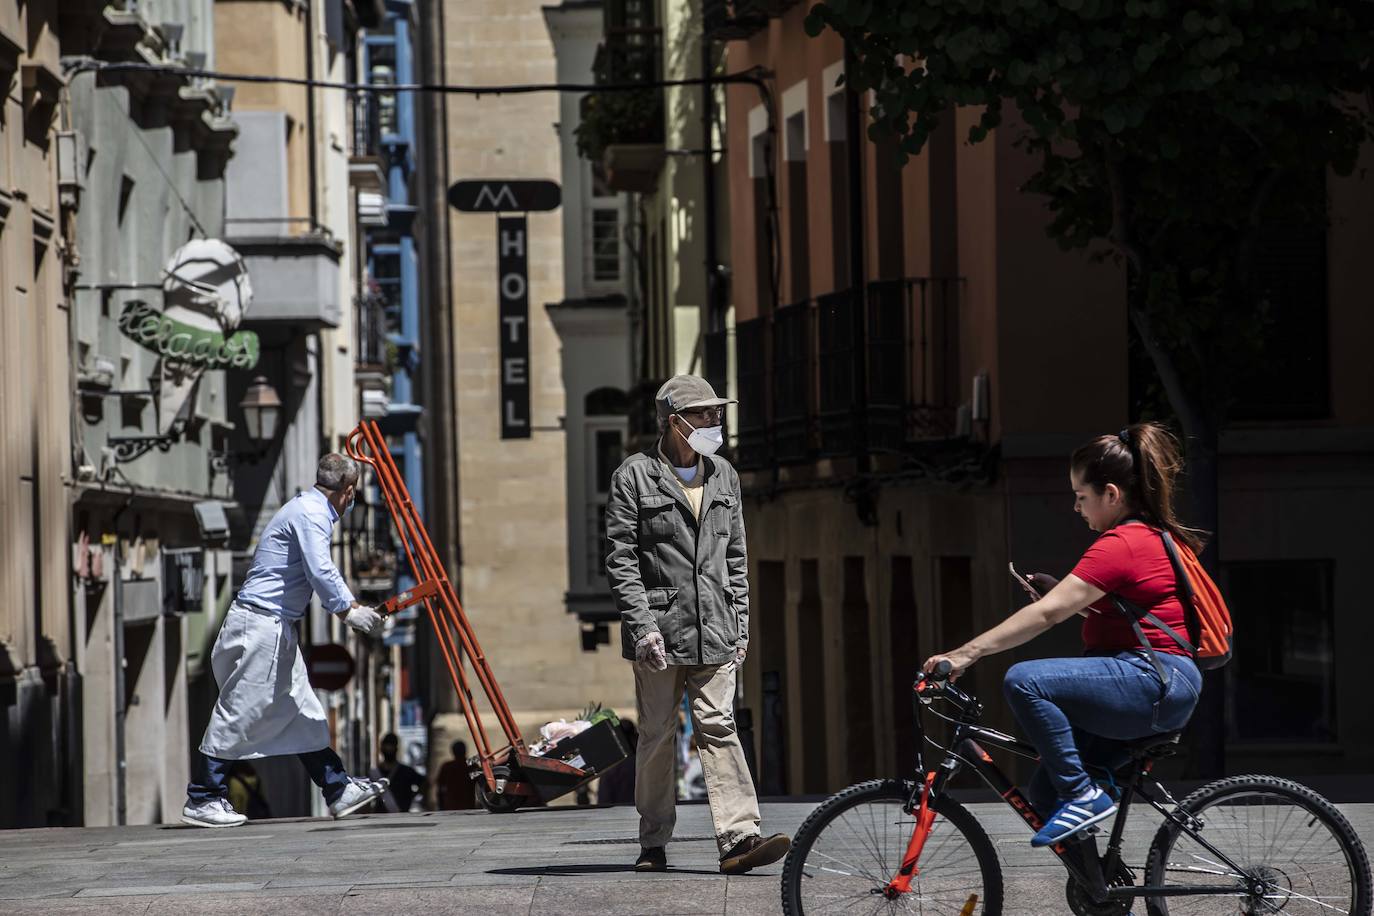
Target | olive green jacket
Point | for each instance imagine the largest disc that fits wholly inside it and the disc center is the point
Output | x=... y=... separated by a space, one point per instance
x=687 y=579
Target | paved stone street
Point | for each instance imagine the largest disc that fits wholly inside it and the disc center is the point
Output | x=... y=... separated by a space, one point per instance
x=553 y=861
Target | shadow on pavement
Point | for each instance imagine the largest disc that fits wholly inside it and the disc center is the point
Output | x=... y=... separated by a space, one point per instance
x=590 y=869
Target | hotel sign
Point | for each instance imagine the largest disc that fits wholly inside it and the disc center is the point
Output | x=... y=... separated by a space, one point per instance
x=512 y=233
x=501 y=195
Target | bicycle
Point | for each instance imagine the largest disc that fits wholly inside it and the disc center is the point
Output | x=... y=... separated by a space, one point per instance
x=1244 y=844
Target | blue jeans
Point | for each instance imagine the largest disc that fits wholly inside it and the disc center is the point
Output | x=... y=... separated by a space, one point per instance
x=1079 y=712
x=210 y=779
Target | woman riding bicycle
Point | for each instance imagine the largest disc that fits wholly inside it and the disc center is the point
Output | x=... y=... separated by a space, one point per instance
x=1077 y=709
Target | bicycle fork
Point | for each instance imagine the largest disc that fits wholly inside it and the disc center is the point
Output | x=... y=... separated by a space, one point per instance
x=925 y=819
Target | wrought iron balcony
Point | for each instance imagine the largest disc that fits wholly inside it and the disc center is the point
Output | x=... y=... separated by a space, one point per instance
x=374 y=352
x=793 y=377
x=836 y=371
x=731 y=19
x=804 y=392
x=624 y=128
x=926 y=313
x=751 y=372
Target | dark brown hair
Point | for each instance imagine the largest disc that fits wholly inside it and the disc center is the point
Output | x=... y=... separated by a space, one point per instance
x=1143 y=461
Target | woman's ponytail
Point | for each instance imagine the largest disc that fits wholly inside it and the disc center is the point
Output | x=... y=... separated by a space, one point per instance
x=1143 y=461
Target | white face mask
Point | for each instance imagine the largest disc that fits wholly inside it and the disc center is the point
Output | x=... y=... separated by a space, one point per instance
x=705 y=441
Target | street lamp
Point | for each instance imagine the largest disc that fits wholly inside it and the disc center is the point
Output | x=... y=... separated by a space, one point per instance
x=261 y=409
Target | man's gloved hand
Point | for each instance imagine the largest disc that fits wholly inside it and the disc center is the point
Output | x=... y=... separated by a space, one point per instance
x=1043 y=583
x=740 y=652
x=649 y=651
x=364 y=619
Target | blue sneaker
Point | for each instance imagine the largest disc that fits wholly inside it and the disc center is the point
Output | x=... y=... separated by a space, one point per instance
x=1074 y=816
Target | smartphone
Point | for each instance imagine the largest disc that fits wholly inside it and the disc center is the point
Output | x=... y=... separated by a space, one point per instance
x=1023 y=582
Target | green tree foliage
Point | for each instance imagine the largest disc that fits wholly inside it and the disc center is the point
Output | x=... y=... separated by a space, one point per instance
x=1173 y=136
x=1169 y=134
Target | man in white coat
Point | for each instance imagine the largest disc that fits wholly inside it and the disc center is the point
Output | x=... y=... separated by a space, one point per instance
x=266 y=706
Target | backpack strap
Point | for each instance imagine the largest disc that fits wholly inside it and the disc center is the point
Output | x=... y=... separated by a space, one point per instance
x=1186 y=595
x=1135 y=614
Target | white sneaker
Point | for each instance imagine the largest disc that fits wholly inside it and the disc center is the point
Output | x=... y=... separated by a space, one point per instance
x=360 y=792
x=217 y=812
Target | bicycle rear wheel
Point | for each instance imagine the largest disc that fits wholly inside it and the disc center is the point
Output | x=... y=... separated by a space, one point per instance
x=852 y=845
x=1288 y=840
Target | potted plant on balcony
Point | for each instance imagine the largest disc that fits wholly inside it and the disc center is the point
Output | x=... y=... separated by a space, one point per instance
x=623 y=128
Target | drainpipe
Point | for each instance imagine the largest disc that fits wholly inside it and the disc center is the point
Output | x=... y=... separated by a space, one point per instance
x=121 y=710
x=857 y=271
x=121 y=707
x=311 y=142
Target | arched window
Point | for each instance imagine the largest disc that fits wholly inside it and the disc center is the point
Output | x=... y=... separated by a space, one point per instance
x=606 y=402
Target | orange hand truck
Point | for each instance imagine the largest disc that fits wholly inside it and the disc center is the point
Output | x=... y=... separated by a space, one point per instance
x=507 y=777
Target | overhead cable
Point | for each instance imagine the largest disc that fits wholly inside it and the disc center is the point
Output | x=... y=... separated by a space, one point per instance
x=90 y=65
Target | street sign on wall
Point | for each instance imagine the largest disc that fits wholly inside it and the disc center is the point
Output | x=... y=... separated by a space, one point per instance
x=328 y=666
x=500 y=195
x=512 y=233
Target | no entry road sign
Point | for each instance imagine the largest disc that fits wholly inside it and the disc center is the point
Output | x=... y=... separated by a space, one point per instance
x=500 y=195
x=328 y=666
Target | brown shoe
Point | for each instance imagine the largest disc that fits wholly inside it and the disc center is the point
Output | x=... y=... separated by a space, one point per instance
x=654 y=858
x=754 y=852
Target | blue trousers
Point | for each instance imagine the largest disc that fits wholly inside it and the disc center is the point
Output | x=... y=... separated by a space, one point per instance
x=1080 y=712
x=211 y=774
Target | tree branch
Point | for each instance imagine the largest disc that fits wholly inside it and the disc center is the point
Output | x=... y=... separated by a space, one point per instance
x=1120 y=233
x=1188 y=413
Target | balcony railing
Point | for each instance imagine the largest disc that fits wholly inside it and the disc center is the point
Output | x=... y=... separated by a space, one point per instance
x=730 y=19
x=805 y=397
x=373 y=330
x=367 y=127
x=838 y=391
x=793 y=381
x=624 y=117
x=751 y=361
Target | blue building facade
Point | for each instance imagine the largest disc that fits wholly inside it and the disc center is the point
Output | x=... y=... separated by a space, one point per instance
x=391 y=254
x=389 y=318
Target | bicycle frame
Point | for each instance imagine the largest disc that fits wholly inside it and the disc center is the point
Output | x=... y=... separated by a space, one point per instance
x=1080 y=857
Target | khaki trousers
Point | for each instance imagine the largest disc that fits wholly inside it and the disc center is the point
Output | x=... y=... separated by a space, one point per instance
x=729 y=788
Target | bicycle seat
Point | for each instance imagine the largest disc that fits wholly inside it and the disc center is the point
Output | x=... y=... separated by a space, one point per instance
x=1165 y=744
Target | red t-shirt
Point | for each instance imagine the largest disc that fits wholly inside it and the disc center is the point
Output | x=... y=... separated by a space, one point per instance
x=1130 y=561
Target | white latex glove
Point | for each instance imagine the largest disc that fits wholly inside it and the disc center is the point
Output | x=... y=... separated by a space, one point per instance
x=740 y=652
x=364 y=619
x=649 y=651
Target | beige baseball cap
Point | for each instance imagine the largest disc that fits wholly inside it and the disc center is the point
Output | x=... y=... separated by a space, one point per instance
x=683 y=392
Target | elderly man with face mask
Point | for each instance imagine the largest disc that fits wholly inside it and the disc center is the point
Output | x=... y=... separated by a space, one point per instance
x=676 y=563
x=266 y=706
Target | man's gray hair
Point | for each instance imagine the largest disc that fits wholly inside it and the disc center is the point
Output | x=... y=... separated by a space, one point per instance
x=336 y=472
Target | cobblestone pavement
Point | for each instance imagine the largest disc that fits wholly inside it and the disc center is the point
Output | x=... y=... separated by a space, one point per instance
x=551 y=861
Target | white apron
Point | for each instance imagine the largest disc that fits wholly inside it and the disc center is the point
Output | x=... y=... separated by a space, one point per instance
x=266 y=705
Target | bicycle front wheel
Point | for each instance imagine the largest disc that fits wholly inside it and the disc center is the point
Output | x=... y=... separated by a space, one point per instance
x=852 y=845
x=1296 y=853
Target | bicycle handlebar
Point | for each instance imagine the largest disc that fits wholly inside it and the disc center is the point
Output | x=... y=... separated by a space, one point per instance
x=943 y=669
x=937 y=680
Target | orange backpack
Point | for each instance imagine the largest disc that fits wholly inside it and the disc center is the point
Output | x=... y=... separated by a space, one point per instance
x=1205 y=613
x=1209 y=619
